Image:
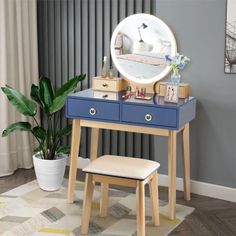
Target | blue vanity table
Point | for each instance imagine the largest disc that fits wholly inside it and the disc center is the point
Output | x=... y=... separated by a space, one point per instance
x=156 y=117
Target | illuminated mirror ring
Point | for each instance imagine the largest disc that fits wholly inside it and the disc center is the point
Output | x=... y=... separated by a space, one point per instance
x=139 y=44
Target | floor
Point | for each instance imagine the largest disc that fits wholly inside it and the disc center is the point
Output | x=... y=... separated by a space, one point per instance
x=211 y=217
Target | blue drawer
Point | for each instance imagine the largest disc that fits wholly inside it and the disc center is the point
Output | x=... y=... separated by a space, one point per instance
x=79 y=108
x=149 y=115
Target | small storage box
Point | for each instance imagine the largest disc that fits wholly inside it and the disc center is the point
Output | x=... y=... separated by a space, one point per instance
x=184 y=89
x=107 y=84
x=106 y=95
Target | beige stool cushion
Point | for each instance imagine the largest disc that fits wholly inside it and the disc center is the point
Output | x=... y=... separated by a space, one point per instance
x=126 y=167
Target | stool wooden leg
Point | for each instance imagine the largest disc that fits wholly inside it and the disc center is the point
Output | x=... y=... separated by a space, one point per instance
x=104 y=202
x=87 y=203
x=153 y=187
x=140 y=208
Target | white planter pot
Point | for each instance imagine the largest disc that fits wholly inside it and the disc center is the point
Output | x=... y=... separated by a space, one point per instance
x=50 y=173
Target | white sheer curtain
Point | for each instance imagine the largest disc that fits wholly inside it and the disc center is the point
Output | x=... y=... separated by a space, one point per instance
x=19 y=69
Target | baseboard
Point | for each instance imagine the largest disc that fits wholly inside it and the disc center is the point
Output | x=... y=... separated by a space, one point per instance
x=201 y=188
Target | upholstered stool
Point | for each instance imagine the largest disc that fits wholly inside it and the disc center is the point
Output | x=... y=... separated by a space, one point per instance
x=124 y=171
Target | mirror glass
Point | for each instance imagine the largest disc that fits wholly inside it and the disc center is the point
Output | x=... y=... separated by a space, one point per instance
x=139 y=44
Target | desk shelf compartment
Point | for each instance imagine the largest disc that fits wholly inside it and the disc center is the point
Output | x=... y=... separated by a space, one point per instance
x=87 y=109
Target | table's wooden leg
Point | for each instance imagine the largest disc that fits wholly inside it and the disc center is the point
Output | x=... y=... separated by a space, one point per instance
x=186 y=162
x=94 y=143
x=172 y=173
x=75 y=143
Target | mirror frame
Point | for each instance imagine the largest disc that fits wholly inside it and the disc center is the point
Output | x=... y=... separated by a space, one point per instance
x=170 y=34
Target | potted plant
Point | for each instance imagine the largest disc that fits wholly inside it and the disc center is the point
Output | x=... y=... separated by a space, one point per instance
x=177 y=63
x=50 y=159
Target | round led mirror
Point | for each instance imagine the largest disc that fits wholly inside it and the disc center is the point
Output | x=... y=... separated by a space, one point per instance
x=139 y=44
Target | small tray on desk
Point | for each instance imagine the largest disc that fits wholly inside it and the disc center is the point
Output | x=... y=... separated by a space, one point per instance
x=143 y=97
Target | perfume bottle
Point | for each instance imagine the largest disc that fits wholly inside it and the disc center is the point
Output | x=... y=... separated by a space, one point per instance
x=111 y=73
x=143 y=92
x=136 y=92
x=104 y=67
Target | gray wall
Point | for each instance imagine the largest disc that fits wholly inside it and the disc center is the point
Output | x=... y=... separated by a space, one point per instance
x=199 y=27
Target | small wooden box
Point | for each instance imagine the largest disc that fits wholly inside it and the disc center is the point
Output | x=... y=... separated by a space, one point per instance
x=184 y=89
x=107 y=84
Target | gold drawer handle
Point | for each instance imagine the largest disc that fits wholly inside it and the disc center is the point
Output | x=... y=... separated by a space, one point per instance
x=105 y=85
x=92 y=111
x=148 y=117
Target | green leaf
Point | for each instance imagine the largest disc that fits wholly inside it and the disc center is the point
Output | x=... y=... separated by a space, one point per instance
x=64 y=131
x=39 y=132
x=63 y=149
x=35 y=94
x=22 y=103
x=22 y=126
x=60 y=95
x=70 y=85
x=46 y=92
x=58 y=104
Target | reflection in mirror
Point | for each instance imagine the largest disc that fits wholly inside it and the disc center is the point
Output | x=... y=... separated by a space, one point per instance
x=138 y=48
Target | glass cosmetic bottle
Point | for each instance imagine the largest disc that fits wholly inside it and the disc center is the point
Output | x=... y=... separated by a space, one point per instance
x=111 y=73
x=104 y=67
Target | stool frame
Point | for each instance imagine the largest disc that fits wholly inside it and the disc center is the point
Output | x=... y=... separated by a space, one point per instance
x=105 y=180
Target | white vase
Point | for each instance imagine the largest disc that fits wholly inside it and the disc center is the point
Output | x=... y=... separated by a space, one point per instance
x=50 y=173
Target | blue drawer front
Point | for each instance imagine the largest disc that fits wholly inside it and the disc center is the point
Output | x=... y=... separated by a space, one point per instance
x=141 y=115
x=78 y=108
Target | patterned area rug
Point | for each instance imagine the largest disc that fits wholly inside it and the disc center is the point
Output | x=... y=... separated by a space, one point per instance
x=27 y=210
